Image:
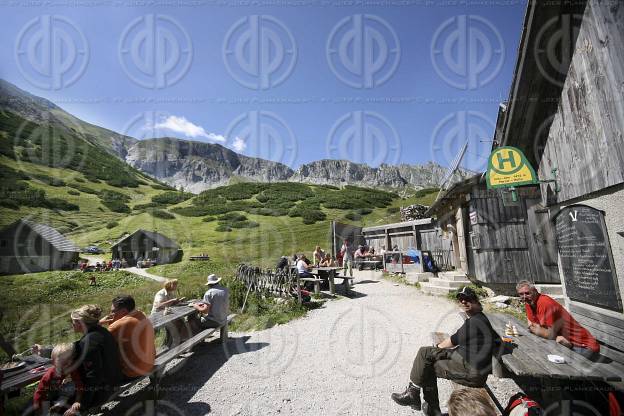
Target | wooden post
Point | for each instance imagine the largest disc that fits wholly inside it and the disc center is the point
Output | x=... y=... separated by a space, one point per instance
x=332 y=286
x=299 y=289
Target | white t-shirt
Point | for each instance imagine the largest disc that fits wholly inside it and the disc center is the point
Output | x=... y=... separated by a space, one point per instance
x=161 y=296
x=302 y=267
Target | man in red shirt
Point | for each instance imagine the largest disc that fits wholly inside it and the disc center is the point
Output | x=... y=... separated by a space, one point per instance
x=548 y=319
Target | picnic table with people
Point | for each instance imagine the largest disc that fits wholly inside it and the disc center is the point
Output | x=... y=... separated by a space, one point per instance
x=115 y=350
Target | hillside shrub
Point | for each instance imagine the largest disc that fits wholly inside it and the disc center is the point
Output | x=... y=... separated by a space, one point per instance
x=82 y=188
x=392 y=210
x=192 y=211
x=231 y=217
x=171 y=197
x=73 y=192
x=111 y=224
x=223 y=228
x=115 y=201
x=140 y=207
x=159 y=213
x=209 y=219
x=48 y=180
x=244 y=224
x=353 y=216
x=425 y=191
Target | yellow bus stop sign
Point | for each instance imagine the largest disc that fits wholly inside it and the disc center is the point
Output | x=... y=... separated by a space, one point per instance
x=508 y=167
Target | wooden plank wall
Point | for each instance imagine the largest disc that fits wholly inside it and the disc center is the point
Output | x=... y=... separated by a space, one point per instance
x=586 y=139
x=500 y=238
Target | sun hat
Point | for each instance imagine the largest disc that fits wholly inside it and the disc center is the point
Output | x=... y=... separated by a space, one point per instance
x=213 y=279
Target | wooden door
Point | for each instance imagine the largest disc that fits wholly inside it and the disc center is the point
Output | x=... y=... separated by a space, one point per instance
x=542 y=245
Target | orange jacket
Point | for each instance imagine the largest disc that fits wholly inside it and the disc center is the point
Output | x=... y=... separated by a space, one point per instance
x=134 y=334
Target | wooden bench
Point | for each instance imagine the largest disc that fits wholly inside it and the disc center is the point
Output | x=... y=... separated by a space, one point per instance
x=167 y=355
x=199 y=258
x=372 y=264
x=317 y=283
x=609 y=332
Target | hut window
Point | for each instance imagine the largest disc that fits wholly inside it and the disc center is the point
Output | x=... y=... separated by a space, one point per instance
x=3 y=243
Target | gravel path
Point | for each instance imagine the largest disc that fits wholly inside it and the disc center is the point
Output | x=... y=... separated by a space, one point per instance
x=144 y=273
x=342 y=359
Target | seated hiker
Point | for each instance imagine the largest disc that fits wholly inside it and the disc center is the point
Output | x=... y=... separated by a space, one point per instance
x=359 y=254
x=134 y=334
x=98 y=356
x=166 y=296
x=215 y=305
x=548 y=319
x=465 y=357
x=318 y=255
x=282 y=264
x=303 y=268
x=54 y=394
x=327 y=261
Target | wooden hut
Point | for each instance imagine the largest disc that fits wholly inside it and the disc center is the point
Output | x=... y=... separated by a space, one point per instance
x=28 y=247
x=491 y=238
x=146 y=245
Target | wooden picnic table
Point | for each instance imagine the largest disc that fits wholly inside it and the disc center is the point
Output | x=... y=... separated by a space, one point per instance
x=15 y=380
x=199 y=258
x=529 y=357
x=330 y=273
x=178 y=312
x=20 y=378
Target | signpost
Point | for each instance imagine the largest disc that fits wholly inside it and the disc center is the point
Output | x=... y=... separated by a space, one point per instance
x=508 y=168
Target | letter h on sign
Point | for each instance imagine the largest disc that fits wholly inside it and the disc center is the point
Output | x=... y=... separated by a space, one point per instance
x=501 y=161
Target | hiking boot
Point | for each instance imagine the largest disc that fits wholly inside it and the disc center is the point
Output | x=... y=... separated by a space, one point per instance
x=430 y=411
x=410 y=397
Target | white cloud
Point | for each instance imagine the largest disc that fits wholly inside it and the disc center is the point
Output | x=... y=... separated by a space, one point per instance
x=216 y=137
x=182 y=125
x=239 y=145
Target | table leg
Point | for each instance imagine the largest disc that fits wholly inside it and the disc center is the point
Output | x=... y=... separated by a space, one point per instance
x=332 y=287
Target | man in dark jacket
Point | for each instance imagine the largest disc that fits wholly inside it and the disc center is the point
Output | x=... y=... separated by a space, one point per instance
x=465 y=357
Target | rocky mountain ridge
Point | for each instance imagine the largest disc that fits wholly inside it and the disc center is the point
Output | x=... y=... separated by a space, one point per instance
x=197 y=166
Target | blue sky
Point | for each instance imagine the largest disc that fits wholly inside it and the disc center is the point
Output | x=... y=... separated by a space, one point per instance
x=404 y=83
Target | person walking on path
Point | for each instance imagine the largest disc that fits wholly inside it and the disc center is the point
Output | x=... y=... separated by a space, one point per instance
x=347 y=258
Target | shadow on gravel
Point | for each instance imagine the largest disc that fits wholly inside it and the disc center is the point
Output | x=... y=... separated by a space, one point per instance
x=355 y=295
x=364 y=282
x=181 y=382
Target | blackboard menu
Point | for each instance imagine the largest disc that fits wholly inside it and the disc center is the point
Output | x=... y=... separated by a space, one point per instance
x=586 y=260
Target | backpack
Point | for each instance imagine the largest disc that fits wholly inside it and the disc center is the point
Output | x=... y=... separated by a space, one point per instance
x=521 y=405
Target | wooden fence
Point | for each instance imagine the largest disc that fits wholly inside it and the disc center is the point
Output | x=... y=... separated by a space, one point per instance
x=267 y=281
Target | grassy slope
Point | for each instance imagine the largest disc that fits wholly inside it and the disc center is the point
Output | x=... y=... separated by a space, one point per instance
x=92 y=214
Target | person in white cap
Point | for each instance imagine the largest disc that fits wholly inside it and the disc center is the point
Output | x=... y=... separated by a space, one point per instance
x=215 y=305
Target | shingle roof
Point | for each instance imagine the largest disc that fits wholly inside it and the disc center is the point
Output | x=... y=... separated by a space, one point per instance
x=58 y=240
x=161 y=240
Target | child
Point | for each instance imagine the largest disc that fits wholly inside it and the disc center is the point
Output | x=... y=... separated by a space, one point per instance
x=54 y=391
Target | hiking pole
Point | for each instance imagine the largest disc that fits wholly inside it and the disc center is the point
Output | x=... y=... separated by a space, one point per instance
x=245 y=301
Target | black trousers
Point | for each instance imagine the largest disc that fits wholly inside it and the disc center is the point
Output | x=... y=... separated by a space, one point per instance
x=433 y=362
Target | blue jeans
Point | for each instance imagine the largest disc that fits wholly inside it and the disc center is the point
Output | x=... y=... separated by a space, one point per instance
x=586 y=352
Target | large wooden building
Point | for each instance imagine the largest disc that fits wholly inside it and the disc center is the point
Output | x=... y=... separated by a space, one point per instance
x=28 y=247
x=568 y=119
x=146 y=245
x=491 y=238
